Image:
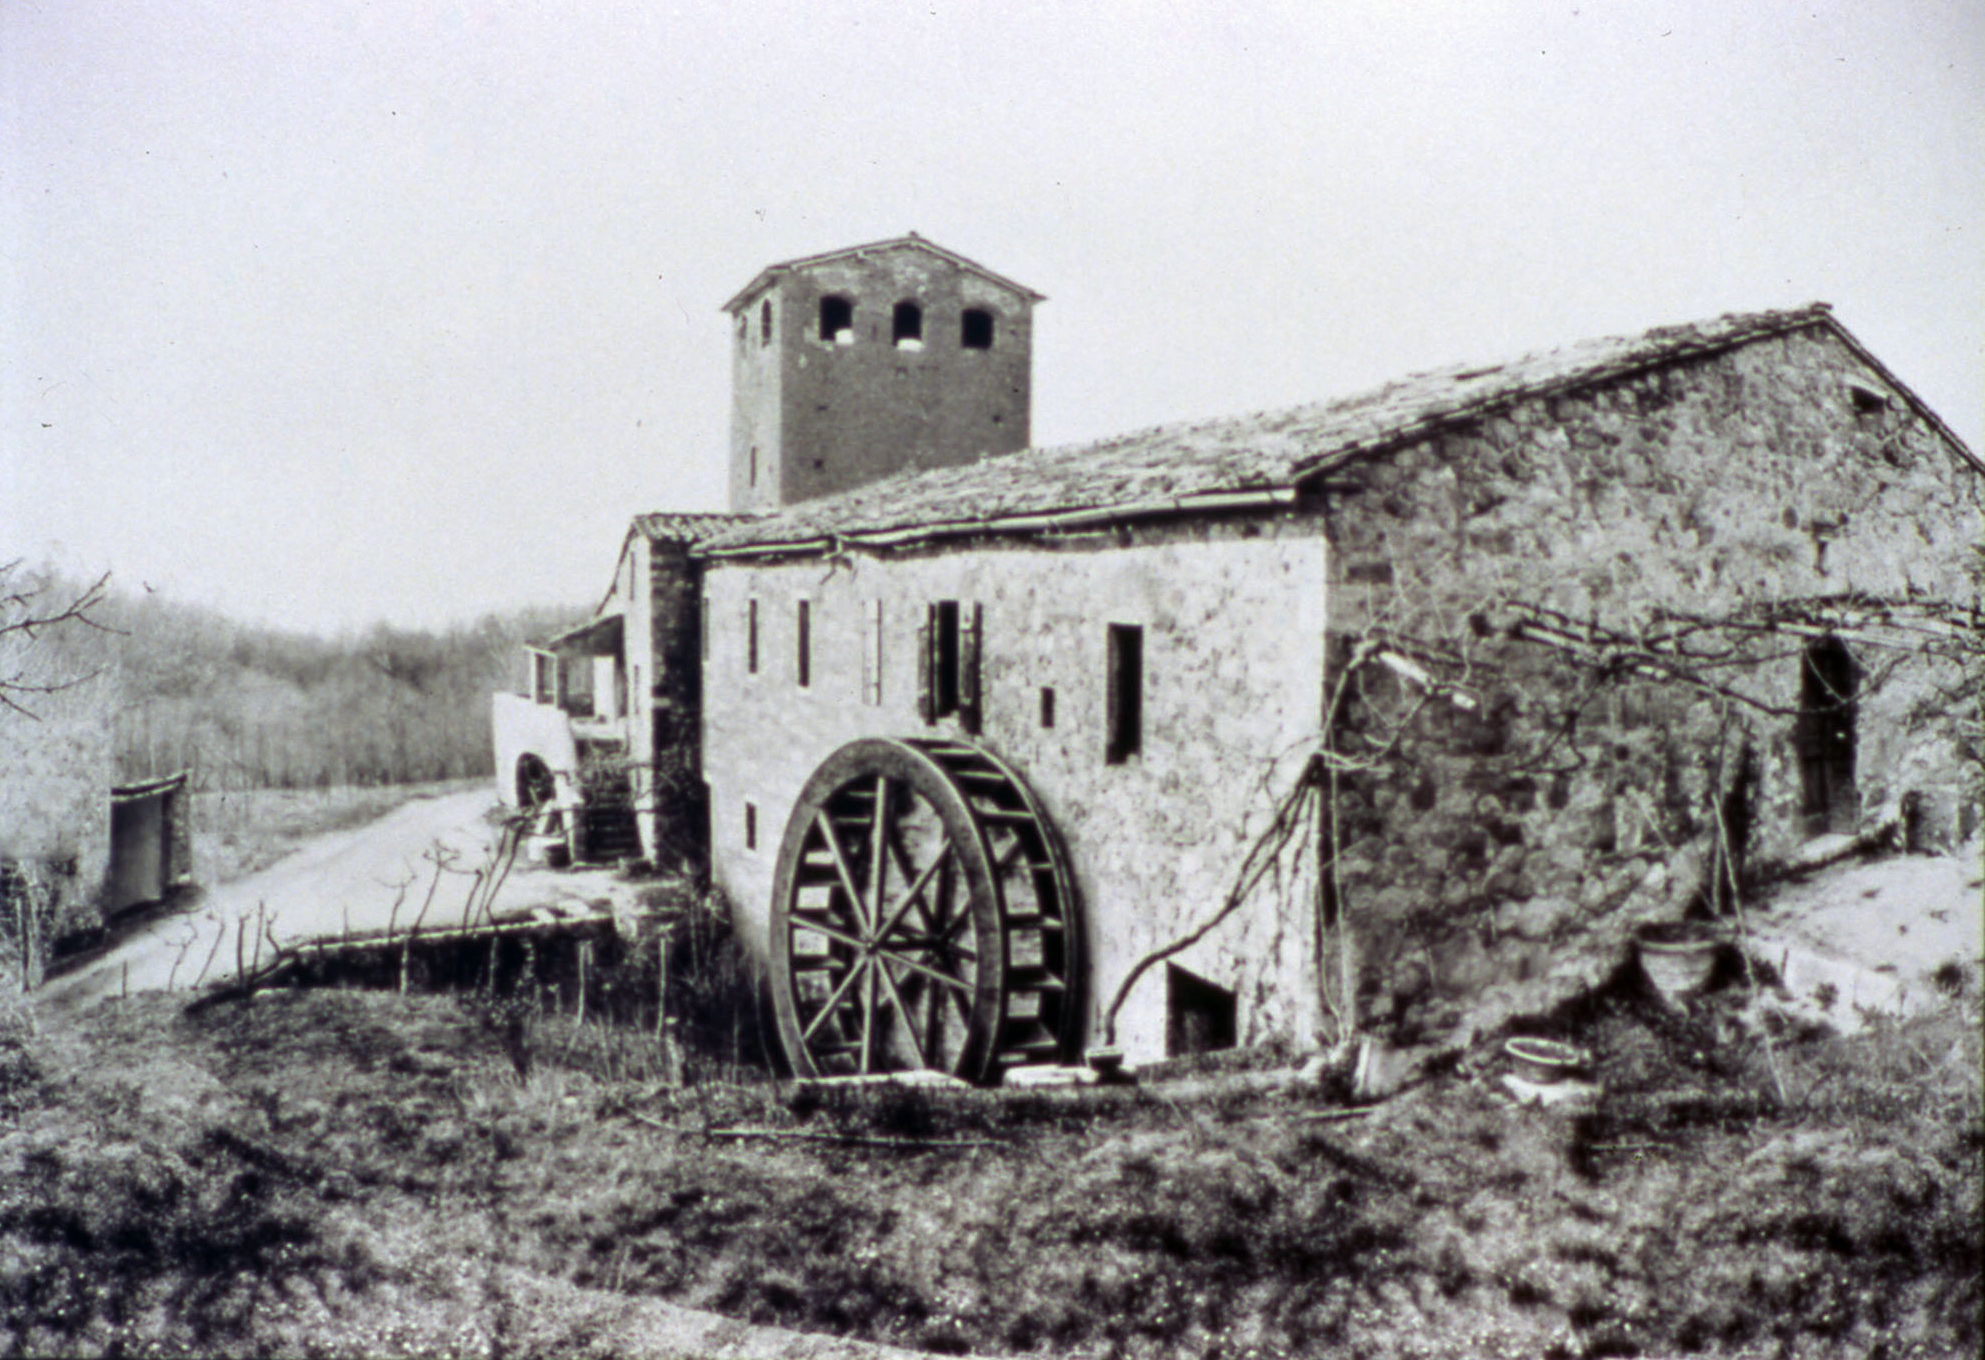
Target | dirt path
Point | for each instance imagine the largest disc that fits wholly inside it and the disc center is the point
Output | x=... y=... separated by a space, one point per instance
x=358 y=880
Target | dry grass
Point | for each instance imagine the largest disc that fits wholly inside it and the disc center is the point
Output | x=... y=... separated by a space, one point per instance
x=349 y=1173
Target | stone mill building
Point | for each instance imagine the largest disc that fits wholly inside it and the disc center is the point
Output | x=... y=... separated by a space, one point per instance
x=1232 y=732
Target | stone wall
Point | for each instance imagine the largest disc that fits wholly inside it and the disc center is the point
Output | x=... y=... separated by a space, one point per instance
x=665 y=721
x=1233 y=652
x=1594 y=656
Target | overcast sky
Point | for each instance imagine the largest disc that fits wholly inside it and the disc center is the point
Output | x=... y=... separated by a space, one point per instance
x=330 y=313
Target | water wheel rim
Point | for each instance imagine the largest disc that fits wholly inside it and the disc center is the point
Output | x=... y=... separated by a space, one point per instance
x=868 y=916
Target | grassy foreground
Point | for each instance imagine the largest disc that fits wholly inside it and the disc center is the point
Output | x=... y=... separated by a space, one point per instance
x=350 y=1173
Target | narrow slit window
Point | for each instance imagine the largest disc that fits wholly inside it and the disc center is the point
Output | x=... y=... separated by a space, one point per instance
x=750 y=825
x=1126 y=693
x=1047 y=706
x=944 y=657
x=908 y=330
x=753 y=470
x=837 y=320
x=765 y=322
x=976 y=328
x=751 y=637
x=803 y=644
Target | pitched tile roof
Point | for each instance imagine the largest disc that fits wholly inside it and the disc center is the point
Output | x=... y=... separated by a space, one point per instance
x=911 y=241
x=674 y=527
x=1258 y=458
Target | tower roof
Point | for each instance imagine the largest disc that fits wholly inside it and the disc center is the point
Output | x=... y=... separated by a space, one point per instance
x=773 y=272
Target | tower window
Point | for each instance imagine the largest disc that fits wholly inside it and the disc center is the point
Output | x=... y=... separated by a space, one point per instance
x=908 y=330
x=976 y=329
x=1047 y=706
x=837 y=320
x=753 y=471
x=750 y=825
x=1126 y=693
x=751 y=636
x=803 y=644
x=765 y=322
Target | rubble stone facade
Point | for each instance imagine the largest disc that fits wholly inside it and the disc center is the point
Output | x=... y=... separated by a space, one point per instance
x=1607 y=573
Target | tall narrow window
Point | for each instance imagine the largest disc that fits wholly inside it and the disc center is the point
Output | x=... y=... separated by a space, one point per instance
x=948 y=663
x=751 y=637
x=750 y=826
x=1823 y=736
x=1047 y=706
x=976 y=328
x=1125 y=715
x=908 y=330
x=753 y=472
x=803 y=644
x=765 y=322
x=837 y=320
x=872 y=652
x=944 y=657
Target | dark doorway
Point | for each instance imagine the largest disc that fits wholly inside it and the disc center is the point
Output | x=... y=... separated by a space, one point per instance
x=1824 y=737
x=1199 y=1015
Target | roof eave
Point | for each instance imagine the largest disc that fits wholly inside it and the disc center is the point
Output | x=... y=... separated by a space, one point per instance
x=1067 y=520
x=772 y=272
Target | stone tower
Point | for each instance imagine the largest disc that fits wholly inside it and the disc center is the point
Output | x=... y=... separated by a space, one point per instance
x=878 y=359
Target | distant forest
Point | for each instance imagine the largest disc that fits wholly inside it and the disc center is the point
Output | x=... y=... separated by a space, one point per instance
x=246 y=706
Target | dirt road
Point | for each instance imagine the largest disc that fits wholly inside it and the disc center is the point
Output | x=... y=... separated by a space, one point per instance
x=364 y=879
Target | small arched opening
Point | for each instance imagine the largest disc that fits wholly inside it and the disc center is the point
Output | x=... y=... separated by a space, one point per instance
x=535 y=786
x=908 y=327
x=837 y=320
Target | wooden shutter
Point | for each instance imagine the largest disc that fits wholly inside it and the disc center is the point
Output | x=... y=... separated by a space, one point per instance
x=872 y=652
x=927 y=666
x=971 y=627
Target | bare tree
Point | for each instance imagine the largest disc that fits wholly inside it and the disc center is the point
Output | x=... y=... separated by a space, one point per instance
x=31 y=606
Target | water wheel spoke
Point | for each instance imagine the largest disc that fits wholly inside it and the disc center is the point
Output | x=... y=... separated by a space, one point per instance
x=836 y=934
x=841 y=869
x=834 y=999
x=950 y=928
x=926 y=841
x=921 y=877
x=879 y=838
x=935 y=974
x=868 y=1019
x=914 y=894
x=908 y=1016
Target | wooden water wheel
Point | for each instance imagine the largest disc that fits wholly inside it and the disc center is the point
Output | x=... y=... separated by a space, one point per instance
x=922 y=918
